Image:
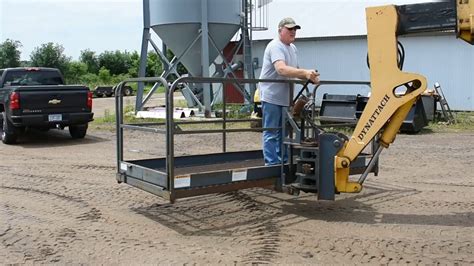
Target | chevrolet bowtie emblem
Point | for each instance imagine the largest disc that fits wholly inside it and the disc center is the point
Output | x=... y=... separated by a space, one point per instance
x=54 y=101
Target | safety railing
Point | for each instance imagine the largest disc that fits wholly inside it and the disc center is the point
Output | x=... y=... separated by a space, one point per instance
x=119 y=113
x=167 y=189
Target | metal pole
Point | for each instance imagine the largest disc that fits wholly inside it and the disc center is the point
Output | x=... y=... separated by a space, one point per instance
x=247 y=51
x=371 y=164
x=205 y=58
x=164 y=60
x=170 y=140
x=224 y=118
x=282 y=147
x=143 y=54
x=118 y=123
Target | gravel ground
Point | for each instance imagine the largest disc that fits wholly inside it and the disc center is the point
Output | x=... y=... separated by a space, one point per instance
x=60 y=203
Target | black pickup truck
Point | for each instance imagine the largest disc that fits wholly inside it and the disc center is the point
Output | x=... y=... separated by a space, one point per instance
x=36 y=97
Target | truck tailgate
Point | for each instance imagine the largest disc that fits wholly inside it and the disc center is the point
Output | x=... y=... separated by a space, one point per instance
x=53 y=99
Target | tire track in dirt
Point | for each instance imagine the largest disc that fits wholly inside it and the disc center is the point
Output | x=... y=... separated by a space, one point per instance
x=237 y=216
x=415 y=200
x=264 y=234
x=388 y=251
x=94 y=167
x=43 y=208
x=96 y=196
x=64 y=178
x=37 y=209
x=41 y=178
x=65 y=166
x=92 y=215
x=445 y=184
x=431 y=205
x=42 y=192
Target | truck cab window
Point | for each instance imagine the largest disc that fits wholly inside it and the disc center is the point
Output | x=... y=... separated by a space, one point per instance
x=31 y=78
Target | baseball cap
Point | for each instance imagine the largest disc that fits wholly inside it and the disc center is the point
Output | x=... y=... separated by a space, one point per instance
x=288 y=23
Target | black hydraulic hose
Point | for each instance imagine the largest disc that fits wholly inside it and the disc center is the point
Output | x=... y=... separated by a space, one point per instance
x=305 y=88
x=400 y=56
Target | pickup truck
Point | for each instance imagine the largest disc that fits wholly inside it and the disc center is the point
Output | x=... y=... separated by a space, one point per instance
x=36 y=97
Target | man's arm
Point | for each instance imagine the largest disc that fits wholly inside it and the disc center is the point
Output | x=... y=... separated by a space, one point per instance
x=292 y=72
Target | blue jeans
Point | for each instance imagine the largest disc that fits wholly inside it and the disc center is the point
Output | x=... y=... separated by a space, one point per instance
x=272 y=139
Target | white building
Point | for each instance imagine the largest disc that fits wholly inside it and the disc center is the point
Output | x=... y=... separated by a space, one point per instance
x=333 y=41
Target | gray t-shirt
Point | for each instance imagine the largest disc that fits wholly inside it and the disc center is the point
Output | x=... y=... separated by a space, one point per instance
x=276 y=93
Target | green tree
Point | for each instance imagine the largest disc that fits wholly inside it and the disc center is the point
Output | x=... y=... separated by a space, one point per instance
x=75 y=71
x=89 y=58
x=9 y=54
x=180 y=68
x=50 y=55
x=91 y=80
x=116 y=62
x=134 y=65
x=104 y=75
x=154 y=66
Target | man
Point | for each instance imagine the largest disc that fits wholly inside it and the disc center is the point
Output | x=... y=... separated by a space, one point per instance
x=279 y=62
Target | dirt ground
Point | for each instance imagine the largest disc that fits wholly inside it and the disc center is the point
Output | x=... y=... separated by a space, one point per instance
x=60 y=203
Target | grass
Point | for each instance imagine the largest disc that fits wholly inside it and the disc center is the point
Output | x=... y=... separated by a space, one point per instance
x=107 y=122
x=147 y=87
x=233 y=110
x=464 y=122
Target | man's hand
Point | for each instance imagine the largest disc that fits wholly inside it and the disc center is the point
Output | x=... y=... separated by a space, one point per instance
x=293 y=72
x=312 y=75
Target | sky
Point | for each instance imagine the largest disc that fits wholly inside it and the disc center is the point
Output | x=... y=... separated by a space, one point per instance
x=109 y=25
x=98 y=25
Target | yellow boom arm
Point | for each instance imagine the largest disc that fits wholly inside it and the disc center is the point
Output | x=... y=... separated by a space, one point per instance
x=386 y=110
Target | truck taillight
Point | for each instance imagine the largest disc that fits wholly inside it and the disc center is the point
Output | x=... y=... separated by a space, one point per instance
x=14 y=101
x=89 y=99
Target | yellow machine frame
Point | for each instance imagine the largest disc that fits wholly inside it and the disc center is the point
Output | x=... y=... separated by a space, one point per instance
x=465 y=20
x=386 y=109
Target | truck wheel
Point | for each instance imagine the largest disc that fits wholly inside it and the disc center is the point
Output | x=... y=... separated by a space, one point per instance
x=8 y=131
x=78 y=131
x=127 y=91
x=99 y=95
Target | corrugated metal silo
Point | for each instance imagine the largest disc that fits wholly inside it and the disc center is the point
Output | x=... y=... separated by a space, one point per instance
x=178 y=24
